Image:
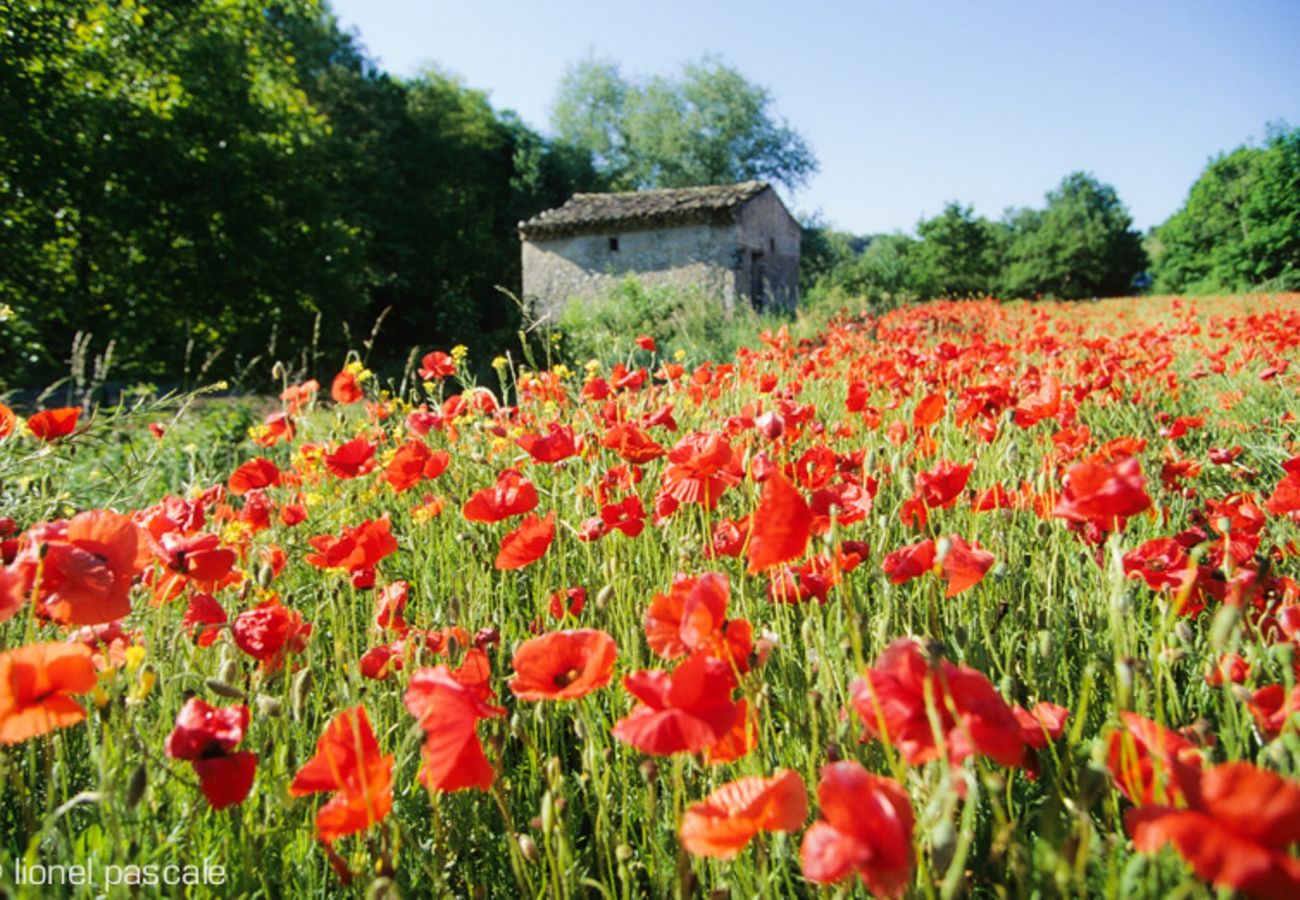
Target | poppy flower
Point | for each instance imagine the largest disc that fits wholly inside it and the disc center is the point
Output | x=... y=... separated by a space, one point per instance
x=527 y=543
x=632 y=444
x=203 y=618
x=437 y=365
x=1043 y=403
x=256 y=474
x=52 y=424
x=206 y=736
x=8 y=421
x=356 y=548
x=971 y=717
x=36 y=687
x=576 y=598
x=390 y=605
x=1150 y=763
x=780 y=525
x=964 y=565
x=557 y=444
x=351 y=459
x=681 y=712
x=941 y=486
x=563 y=665
x=270 y=631
x=726 y=820
x=1285 y=498
x=412 y=463
x=348 y=762
x=909 y=562
x=646 y=343
x=1103 y=495
x=689 y=616
x=449 y=712
x=87 y=566
x=701 y=467
x=346 y=389
x=865 y=829
x=512 y=495
x=1235 y=831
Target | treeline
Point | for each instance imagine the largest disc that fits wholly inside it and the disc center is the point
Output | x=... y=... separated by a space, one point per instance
x=211 y=185
x=1239 y=230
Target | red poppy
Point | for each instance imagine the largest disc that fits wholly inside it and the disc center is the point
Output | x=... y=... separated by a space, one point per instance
x=928 y=411
x=689 y=616
x=87 y=566
x=346 y=389
x=972 y=718
x=681 y=712
x=563 y=665
x=557 y=444
x=52 y=424
x=1235 y=831
x=1285 y=498
x=356 y=548
x=436 y=365
x=206 y=736
x=390 y=605
x=253 y=475
x=780 y=525
x=701 y=467
x=193 y=558
x=1103 y=495
x=512 y=495
x=412 y=463
x=269 y=631
x=964 y=565
x=1150 y=763
x=1043 y=403
x=645 y=342
x=576 y=599
x=527 y=543
x=449 y=711
x=349 y=763
x=941 y=486
x=631 y=443
x=722 y=823
x=7 y=421
x=865 y=828
x=352 y=459
x=36 y=687
x=909 y=562
x=203 y=616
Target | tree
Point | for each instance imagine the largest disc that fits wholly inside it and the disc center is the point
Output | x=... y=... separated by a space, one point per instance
x=1240 y=225
x=710 y=126
x=958 y=255
x=1081 y=245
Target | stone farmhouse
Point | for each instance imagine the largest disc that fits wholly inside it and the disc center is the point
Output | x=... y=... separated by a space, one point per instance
x=737 y=242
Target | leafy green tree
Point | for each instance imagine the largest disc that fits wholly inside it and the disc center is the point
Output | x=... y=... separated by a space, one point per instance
x=1082 y=245
x=709 y=126
x=1240 y=225
x=958 y=255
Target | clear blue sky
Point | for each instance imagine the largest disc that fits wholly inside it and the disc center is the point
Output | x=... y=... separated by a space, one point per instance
x=911 y=103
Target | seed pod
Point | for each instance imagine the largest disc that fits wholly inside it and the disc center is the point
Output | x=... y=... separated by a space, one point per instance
x=136 y=785
x=224 y=689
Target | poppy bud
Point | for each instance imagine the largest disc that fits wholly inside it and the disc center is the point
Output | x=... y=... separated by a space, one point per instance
x=1045 y=644
x=528 y=847
x=382 y=888
x=548 y=812
x=603 y=597
x=959 y=636
x=135 y=787
x=487 y=638
x=554 y=772
x=623 y=853
x=229 y=671
x=814 y=698
x=833 y=753
x=224 y=689
x=1184 y=633
x=1124 y=672
x=1221 y=629
x=264 y=575
x=943 y=842
x=649 y=771
x=268 y=706
x=300 y=690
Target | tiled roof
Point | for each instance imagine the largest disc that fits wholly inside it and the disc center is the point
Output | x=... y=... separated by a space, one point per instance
x=714 y=204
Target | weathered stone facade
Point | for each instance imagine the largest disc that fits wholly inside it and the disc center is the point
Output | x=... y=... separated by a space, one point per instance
x=734 y=242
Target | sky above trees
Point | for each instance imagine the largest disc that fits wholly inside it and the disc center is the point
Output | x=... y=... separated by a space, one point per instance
x=910 y=106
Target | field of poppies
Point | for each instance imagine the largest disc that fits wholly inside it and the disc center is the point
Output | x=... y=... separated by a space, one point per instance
x=966 y=599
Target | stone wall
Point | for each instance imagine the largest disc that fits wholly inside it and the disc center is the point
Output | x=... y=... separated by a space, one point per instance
x=580 y=267
x=769 y=239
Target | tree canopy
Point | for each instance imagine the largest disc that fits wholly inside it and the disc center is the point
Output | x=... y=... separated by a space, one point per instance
x=708 y=126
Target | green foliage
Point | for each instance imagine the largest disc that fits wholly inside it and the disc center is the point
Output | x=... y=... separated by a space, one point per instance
x=1081 y=245
x=958 y=255
x=212 y=185
x=1240 y=225
x=710 y=126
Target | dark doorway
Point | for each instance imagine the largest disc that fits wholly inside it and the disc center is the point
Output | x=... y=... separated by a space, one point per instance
x=757 y=281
